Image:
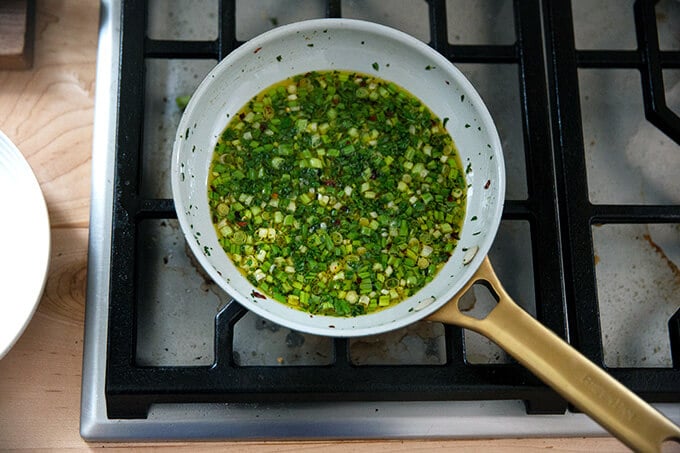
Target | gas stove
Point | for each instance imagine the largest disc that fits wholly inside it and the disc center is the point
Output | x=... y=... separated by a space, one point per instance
x=586 y=99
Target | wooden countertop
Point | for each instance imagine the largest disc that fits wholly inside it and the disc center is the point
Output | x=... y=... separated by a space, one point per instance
x=48 y=113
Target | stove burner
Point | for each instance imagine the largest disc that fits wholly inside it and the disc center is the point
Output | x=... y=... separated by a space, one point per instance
x=547 y=226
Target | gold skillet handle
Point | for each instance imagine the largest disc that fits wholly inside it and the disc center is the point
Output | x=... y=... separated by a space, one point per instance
x=578 y=380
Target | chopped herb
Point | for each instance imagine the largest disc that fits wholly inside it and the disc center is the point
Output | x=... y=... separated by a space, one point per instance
x=462 y=97
x=446 y=120
x=349 y=200
x=429 y=67
x=375 y=66
x=467 y=125
x=274 y=21
x=182 y=101
x=279 y=58
x=310 y=45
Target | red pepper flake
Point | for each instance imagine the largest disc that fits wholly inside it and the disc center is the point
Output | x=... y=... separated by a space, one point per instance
x=242 y=223
x=258 y=295
x=257 y=50
x=488 y=183
x=275 y=195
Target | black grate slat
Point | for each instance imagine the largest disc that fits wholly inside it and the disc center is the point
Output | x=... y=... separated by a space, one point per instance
x=334 y=8
x=540 y=170
x=656 y=110
x=480 y=54
x=227 y=31
x=181 y=49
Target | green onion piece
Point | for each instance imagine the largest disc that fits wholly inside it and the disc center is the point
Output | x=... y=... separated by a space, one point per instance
x=182 y=101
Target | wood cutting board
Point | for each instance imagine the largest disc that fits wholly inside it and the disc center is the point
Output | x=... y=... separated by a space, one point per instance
x=17 y=25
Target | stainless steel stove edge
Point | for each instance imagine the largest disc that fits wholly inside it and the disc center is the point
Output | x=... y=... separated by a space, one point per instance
x=92 y=406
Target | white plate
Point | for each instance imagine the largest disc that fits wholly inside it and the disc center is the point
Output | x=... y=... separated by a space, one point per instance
x=24 y=243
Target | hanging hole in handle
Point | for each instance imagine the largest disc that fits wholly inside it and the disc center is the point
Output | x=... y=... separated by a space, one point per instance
x=478 y=301
x=671 y=444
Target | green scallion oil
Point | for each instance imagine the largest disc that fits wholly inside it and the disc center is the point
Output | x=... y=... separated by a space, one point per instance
x=337 y=193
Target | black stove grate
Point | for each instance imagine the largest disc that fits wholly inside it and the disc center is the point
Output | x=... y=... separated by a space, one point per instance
x=559 y=214
x=577 y=213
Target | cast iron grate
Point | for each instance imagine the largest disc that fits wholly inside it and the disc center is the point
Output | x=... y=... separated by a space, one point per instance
x=577 y=213
x=559 y=216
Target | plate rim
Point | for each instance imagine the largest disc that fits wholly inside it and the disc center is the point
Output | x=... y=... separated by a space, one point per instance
x=41 y=254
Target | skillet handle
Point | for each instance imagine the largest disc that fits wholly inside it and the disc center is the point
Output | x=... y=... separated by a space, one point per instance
x=578 y=380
